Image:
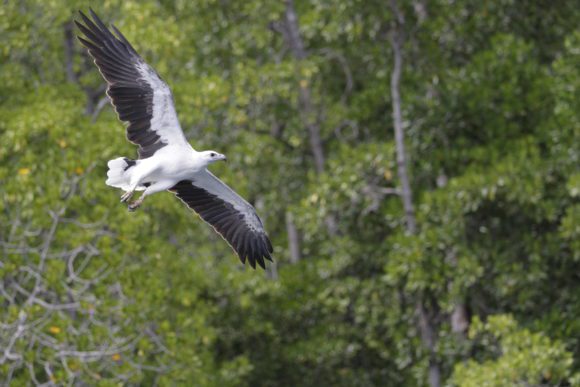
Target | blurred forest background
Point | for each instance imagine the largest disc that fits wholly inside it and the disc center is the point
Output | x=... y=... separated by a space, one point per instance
x=461 y=269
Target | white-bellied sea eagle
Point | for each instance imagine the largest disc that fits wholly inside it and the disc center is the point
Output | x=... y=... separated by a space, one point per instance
x=166 y=160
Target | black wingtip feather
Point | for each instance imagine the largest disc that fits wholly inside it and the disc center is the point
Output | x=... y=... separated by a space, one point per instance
x=241 y=253
x=90 y=25
x=250 y=244
x=270 y=248
x=267 y=253
x=252 y=262
x=123 y=39
x=87 y=44
x=250 y=252
x=262 y=263
x=98 y=21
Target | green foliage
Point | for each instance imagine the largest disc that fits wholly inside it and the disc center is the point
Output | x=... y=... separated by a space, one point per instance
x=91 y=294
x=520 y=357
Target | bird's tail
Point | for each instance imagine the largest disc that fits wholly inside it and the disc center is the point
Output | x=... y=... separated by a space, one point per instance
x=119 y=173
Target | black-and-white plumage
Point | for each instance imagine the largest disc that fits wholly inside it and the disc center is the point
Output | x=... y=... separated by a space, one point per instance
x=229 y=214
x=139 y=95
x=166 y=160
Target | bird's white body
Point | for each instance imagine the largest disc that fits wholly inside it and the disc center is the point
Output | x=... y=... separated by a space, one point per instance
x=173 y=162
x=163 y=170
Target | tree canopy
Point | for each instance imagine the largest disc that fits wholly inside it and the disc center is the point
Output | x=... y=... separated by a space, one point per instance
x=485 y=290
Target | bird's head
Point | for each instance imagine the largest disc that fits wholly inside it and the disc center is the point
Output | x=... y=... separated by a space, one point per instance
x=213 y=156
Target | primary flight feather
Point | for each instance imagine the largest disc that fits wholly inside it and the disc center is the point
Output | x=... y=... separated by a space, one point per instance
x=166 y=160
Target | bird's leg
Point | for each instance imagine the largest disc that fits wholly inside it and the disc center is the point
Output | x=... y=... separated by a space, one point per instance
x=153 y=188
x=136 y=204
x=126 y=196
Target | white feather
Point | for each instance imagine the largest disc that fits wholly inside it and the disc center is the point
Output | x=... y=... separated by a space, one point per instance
x=208 y=181
x=164 y=121
x=118 y=175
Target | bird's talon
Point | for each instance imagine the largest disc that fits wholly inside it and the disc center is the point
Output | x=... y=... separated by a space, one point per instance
x=126 y=196
x=133 y=206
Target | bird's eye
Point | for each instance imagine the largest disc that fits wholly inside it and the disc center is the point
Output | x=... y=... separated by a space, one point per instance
x=212 y=154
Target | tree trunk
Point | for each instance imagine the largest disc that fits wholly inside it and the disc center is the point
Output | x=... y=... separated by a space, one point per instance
x=426 y=325
x=459 y=318
x=429 y=339
x=291 y=32
x=406 y=193
x=293 y=238
x=69 y=52
x=292 y=36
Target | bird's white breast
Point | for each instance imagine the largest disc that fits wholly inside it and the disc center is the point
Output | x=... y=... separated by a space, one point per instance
x=175 y=163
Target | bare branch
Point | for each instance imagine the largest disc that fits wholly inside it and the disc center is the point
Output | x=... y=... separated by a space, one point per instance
x=98 y=108
x=377 y=195
x=28 y=285
x=345 y=68
x=32 y=299
x=99 y=354
x=8 y=355
x=339 y=130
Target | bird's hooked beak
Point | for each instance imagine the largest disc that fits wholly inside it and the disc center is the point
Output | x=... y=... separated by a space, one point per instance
x=223 y=157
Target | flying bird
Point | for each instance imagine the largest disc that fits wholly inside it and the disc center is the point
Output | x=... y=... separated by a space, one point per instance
x=166 y=160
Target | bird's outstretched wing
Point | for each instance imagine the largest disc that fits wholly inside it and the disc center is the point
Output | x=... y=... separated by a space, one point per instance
x=140 y=97
x=230 y=215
